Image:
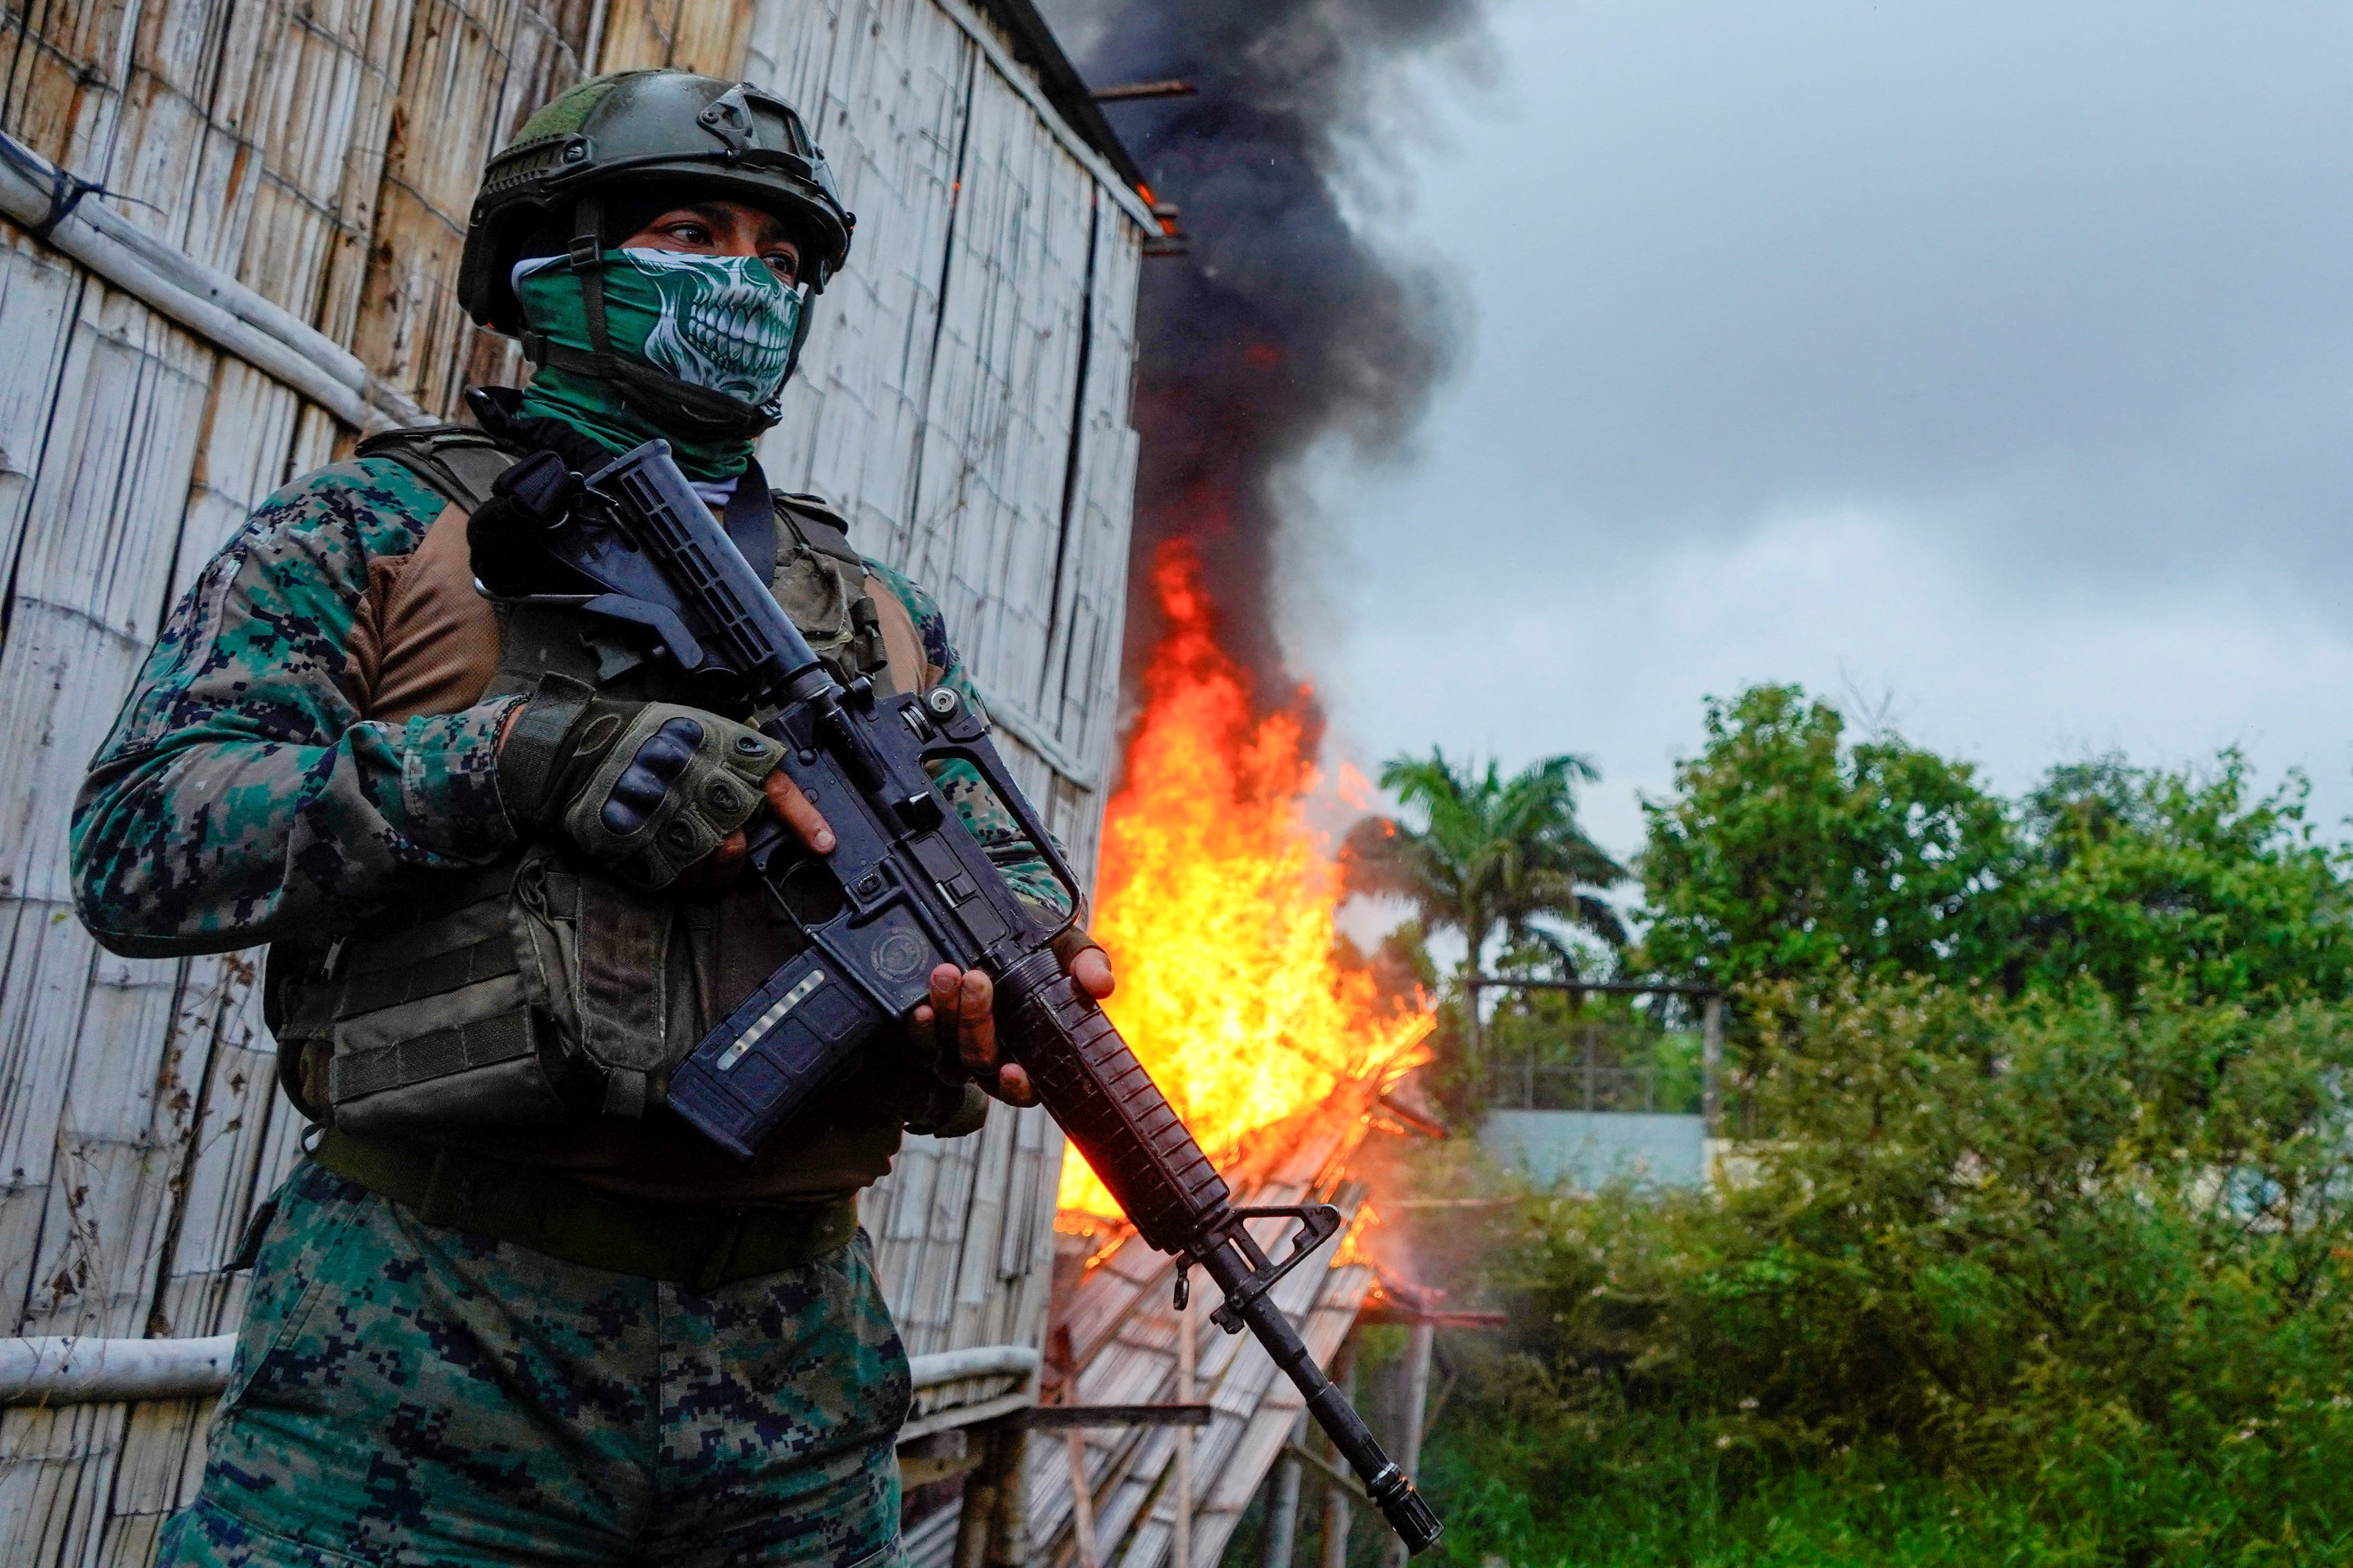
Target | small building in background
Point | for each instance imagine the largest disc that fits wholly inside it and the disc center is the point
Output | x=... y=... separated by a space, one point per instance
x=1582 y=1101
x=229 y=233
x=1585 y=1150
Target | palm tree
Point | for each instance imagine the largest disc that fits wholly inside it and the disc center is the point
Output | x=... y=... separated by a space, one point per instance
x=1498 y=855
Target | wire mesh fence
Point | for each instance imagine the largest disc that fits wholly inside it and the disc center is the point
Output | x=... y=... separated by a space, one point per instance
x=1599 y=1046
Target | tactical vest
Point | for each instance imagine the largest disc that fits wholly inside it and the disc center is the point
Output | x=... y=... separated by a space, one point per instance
x=537 y=992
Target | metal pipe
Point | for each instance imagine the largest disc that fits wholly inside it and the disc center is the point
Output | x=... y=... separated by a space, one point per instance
x=973 y=1361
x=1711 y=1067
x=1599 y=987
x=208 y=302
x=86 y=1369
x=83 y=1369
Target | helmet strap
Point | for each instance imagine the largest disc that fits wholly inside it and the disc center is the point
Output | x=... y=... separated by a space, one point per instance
x=586 y=254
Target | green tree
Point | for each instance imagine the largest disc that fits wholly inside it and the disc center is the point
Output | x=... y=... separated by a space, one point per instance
x=1788 y=853
x=1503 y=862
x=2131 y=874
x=1495 y=856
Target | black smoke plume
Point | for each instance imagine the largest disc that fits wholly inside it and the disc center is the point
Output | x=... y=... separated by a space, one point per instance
x=1284 y=324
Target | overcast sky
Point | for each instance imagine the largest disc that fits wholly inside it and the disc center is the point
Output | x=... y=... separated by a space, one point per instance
x=1995 y=361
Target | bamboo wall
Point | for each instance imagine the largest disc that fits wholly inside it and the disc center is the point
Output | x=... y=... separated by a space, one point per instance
x=965 y=395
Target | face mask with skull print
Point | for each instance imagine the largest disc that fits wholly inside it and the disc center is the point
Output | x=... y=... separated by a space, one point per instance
x=725 y=322
x=721 y=321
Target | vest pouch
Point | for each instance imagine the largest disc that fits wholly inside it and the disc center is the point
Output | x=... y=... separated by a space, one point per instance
x=609 y=968
x=435 y=1028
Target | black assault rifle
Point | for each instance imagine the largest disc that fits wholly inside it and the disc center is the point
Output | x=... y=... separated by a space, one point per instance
x=905 y=889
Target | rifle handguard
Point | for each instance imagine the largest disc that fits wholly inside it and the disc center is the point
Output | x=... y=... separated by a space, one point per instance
x=1132 y=1138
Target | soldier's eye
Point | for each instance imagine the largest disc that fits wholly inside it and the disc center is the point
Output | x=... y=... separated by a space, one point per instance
x=782 y=264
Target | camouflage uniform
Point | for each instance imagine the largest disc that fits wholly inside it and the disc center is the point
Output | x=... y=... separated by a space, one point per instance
x=406 y=1392
x=310 y=760
x=494 y=1406
x=243 y=796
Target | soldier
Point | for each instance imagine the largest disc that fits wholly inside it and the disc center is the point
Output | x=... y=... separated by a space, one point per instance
x=508 y=1309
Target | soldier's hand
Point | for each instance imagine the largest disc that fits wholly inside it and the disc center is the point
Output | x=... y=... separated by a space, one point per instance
x=646 y=790
x=720 y=869
x=963 y=1001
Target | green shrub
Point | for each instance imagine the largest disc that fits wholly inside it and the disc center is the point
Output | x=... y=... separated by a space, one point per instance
x=2023 y=1280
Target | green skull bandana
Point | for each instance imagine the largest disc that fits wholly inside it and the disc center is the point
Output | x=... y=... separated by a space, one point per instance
x=725 y=322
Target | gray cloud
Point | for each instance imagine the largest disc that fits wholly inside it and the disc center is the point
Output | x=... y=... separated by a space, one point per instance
x=1997 y=355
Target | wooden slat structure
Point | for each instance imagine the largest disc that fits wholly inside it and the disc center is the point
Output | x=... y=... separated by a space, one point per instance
x=965 y=395
x=1123 y=1346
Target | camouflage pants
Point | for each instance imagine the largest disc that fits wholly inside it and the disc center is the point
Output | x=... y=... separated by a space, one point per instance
x=413 y=1396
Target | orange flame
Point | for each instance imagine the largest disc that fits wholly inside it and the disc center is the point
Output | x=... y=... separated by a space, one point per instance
x=1216 y=906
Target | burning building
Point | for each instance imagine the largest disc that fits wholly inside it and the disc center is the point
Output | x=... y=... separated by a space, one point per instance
x=1217 y=899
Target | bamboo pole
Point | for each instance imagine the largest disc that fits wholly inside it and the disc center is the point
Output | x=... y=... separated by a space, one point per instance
x=1336 y=1512
x=1082 y=1500
x=1009 y=1524
x=1188 y=1351
x=1421 y=1340
x=1282 y=1512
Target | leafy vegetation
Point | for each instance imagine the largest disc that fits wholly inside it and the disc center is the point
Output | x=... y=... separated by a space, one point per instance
x=2129 y=873
x=1504 y=864
x=1788 y=853
x=2032 y=1279
x=1495 y=858
x=2042 y=1248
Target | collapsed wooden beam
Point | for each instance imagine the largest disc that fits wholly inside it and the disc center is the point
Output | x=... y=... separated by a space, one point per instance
x=1058 y=1416
x=1126 y=1342
x=1129 y=91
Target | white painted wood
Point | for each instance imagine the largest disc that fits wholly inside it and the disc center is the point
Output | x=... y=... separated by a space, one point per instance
x=1000 y=58
x=884 y=87
x=294 y=177
x=276 y=343
x=39 y=299
x=56 y=1468
x=998 y=426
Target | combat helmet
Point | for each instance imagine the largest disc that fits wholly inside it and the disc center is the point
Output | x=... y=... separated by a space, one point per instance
x=630 y=129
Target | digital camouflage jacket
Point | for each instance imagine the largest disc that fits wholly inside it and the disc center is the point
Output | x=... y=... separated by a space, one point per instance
x=247 y=796
x=244 y=797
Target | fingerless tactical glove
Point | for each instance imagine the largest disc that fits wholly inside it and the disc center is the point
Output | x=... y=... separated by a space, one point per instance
x=644 y=789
